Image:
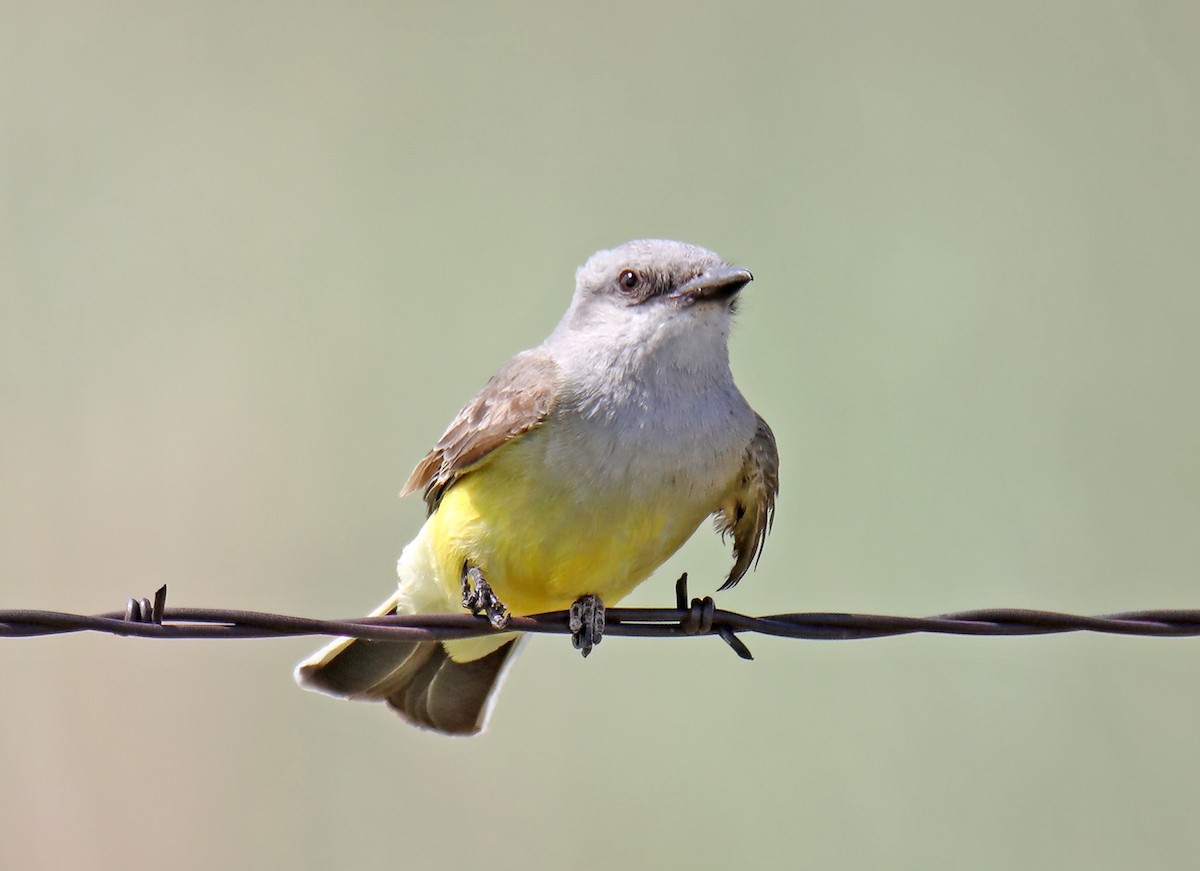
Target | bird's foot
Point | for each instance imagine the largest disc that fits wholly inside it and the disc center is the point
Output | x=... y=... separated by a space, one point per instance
x=586 y=623
x=478 y=598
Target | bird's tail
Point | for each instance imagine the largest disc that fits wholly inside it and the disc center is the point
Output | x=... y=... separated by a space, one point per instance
x=417 y=679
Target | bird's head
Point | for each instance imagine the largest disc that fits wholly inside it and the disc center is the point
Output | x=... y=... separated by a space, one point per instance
x=654 y=293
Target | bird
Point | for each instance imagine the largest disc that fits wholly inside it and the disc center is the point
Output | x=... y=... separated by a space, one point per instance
x=581 y=466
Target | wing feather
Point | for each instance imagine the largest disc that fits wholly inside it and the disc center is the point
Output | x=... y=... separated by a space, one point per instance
x=516 y=399
x=750 y=510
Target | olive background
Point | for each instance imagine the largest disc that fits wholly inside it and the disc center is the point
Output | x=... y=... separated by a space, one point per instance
x=254 y=256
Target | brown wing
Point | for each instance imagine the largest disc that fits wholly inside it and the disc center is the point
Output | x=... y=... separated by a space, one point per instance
x=516 y=399
x=750 y=509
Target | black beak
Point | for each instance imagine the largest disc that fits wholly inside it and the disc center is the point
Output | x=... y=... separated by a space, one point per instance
x=721 y=283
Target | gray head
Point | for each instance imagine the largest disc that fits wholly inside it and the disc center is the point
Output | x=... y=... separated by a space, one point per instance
x=651 y=291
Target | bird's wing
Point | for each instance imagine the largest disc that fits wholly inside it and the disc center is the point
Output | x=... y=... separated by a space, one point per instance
x=515 y=400
x=749 y=510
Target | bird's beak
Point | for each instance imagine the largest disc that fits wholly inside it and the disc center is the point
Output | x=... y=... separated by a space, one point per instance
x=720 y=283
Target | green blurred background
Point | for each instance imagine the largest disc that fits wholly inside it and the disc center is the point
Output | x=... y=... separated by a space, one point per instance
x=253 y=257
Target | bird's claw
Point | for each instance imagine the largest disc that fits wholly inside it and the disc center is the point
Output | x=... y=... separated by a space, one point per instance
x=478 y=598
x=586 y=622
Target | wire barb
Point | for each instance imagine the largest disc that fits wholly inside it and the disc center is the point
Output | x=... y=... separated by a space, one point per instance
x=142 y=611
x=699 y=619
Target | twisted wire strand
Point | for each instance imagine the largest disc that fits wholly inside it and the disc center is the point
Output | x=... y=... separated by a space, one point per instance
x=143 y=618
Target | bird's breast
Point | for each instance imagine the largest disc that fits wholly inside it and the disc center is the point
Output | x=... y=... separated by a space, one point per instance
x=586 y=504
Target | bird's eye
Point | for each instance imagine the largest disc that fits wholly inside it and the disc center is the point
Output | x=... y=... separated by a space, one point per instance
x=630 y=279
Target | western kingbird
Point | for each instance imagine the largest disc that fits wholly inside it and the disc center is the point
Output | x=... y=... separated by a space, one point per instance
x=577 y=471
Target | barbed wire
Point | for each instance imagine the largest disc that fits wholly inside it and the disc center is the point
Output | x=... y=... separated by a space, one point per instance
x=147 y=619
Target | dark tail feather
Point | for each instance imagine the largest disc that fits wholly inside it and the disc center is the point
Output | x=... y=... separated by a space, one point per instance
x=451 y=697
x=418 y=680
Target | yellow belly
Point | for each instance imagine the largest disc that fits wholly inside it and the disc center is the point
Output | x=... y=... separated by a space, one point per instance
x=542 y=543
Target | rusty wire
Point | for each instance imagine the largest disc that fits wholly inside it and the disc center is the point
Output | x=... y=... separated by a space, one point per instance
x=147 y=619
